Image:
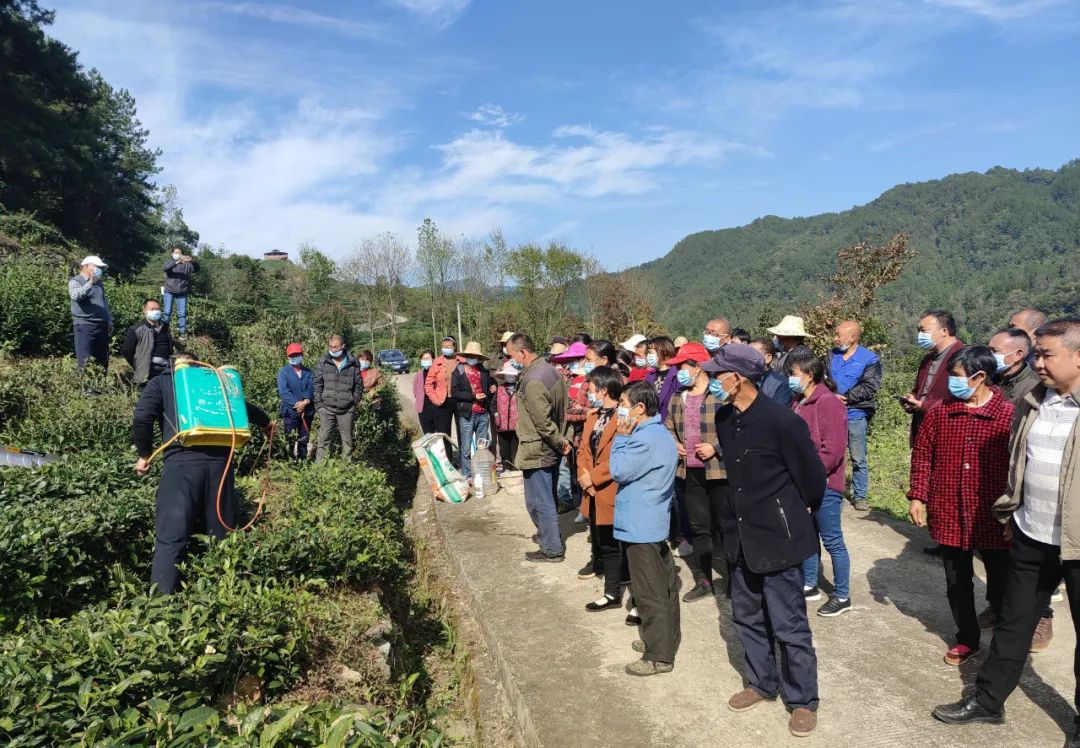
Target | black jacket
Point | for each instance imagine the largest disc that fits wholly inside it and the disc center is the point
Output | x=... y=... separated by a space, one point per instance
x=863 y=394
x=178 y=276
x=461 y=390
x=337 y=390
x=157 y=404
x=774 y=475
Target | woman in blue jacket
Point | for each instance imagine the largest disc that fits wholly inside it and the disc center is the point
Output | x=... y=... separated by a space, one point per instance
x=643 y=462
x=296 y=387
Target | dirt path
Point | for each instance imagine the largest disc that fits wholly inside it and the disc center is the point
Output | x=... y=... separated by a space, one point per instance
x=880 y=665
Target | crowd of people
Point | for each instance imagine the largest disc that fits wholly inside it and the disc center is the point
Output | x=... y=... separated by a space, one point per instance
x=733 y=452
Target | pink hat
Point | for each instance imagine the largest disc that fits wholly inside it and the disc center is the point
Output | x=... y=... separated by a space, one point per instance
x=508 y=370
x=577 y=350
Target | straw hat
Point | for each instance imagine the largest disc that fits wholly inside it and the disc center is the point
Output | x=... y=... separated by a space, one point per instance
x=557 y=349
x=506 y=336
x=680 y=341
x=632 y=342
x=472 y=350
x=790 y=327
x=575 y=351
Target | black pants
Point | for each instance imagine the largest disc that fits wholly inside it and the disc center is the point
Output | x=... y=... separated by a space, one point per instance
x=960 y=588
x=427 y=419
x=680 y=522
x=771 y=608
x=442 y=420
x=297 y=431
x=704 y=500
x=656 y=594
x=608 y=557
x=1035 y=570
x=508 y=444
x=186 y=506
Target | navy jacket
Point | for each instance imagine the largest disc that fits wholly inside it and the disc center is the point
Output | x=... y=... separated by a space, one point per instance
x=774 y=476
x=774 y=385
x=292 y=389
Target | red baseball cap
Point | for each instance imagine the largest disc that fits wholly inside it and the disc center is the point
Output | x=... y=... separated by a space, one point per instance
x=690 y=352
x=294 y=349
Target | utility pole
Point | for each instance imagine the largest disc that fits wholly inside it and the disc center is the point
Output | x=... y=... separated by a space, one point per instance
x=460 y=340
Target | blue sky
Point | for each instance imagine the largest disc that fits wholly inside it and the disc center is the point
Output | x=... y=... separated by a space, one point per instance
x=618 y=127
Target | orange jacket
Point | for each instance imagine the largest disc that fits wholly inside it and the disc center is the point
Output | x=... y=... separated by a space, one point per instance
x=601 y=507
x=437 y=384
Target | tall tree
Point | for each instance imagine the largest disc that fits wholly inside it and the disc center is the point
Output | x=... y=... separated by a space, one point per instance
x=544 y=276
x=436 y=258
x=393 y=260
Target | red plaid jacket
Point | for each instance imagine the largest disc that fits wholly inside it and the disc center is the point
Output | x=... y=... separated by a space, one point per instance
x=960 y=467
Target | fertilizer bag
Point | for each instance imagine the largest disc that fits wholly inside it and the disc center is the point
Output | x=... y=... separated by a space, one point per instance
x=446 y=482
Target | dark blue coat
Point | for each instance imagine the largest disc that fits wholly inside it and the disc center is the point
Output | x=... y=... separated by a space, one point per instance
x=292 y=389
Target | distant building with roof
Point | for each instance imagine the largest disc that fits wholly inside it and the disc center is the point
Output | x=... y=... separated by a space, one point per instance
x=276 y=254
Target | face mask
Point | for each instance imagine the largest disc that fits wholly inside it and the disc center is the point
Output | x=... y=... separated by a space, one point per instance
x=176 y=257
x=716 y=387
x=425 y=363
x=97 y=272
x=641 y=363
x=365 y=365
x=588 y=368
x=844 y=348
x=652 y=360
x=594 y=401
x=448 y=352
x=959 y=388
x=776 y=345
x=153 y=315
x=472 y=361
x=712 y=342
x=337 y=354
x=623 y=413
x=685 y=378
x=925 y=340
x=505 y=352
x=296 y=360
x=796 y=385
x=1001 y=365
x=517 y=365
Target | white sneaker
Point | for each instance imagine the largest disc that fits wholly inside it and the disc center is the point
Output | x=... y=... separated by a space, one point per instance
x=812 y=594
x=1057 y=597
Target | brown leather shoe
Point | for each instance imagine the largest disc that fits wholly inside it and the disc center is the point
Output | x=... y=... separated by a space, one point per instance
x=1044 y=634
x=745 y=699
x=802 y=722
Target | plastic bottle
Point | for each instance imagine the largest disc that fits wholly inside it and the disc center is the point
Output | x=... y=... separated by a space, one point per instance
x=483 y=470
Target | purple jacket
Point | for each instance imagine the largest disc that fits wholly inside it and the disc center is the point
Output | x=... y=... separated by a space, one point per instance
x=667 y=390
x=826 y=415
x=418 y=389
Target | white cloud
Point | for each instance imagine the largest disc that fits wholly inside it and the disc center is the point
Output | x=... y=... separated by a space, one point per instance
x=438 y=13
x=493 y=115
x=1000 y=10
x=300 y=17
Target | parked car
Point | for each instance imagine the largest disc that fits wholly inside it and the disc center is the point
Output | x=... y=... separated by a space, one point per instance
x=394 y=360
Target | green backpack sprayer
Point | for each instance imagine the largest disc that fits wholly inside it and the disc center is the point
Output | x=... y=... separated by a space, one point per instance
x=211 y=412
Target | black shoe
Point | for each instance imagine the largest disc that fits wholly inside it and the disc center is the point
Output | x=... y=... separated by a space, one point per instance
x=566 y=508
x=965 y=711
x=587 y=571
x=609 y=602
x=834 y=607
x=633 y=619
x=542 y=557
x=699 y=591
x=1074 y=741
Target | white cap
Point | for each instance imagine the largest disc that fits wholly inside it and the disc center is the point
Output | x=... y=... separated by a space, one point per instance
x=93 y=260
x=633 y=342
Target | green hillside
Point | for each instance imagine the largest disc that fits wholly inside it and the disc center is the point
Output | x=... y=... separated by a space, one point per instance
x=986 y=243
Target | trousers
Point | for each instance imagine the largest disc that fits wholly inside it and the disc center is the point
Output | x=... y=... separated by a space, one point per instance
x=656 y=595
x=540 y=503
x=704 y=501
x=330 y=422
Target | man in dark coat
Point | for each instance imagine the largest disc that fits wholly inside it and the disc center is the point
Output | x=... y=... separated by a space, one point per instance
x=338 y=390
x=178 y=271
x=775 y=479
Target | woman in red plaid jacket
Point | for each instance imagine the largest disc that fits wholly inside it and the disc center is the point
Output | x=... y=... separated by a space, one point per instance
x=959 y=468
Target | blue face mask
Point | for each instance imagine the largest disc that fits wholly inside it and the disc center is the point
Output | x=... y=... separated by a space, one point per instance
x=1001 y=365
x=365 y=365
x=925 y=340
x=685 y=378
x=641 y=363
x=711 y=342
x=588 y=367
x=296 y=360
x=425 y=363
x=472 y=361
x=594 y=401
x=448 y=352
x=716 y=387
x=97 y=272
x=960 y=389
x=652 y=360
x=153 y=315
x=337 y=354
x=796 y=385
x=517 y=365
x=843 y=348
x=623 y=412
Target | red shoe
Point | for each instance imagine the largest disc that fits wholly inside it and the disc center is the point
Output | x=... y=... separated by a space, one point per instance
x=959 y=654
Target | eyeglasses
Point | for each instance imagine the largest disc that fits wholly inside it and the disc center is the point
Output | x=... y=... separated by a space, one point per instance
x=716 y=333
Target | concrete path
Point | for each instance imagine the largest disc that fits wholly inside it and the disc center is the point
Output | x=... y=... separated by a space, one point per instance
x=881 y=668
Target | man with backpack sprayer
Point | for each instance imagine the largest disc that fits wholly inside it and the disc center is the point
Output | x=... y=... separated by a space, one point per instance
x=195 y=494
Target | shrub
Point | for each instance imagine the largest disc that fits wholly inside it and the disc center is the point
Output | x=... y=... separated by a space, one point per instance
x=35 y=314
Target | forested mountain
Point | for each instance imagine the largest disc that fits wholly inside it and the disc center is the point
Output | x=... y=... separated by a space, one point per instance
x=986 y=243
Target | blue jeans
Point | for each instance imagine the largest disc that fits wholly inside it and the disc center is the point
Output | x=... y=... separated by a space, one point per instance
x=92 y=341
x=475 y=424
x=181 y=309
x=568 y=492
x=540 y=503
x=827 y=519
x=860 y=467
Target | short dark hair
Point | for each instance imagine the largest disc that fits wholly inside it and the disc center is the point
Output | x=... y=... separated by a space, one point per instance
x=808 y=363
x=624 y=361
x=366 y=355
x=767 y=342
x=604 y=349
x=664 y=347
x=1015 y=333
x=427 y=351
x=643 y=393
x=607 y=379
x=740 y=335
x=522 y=342
x=148 y=299
x=1066 y=328
x=943 y=317
x=452 y=339
x=582 y=337
x=971 y=359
